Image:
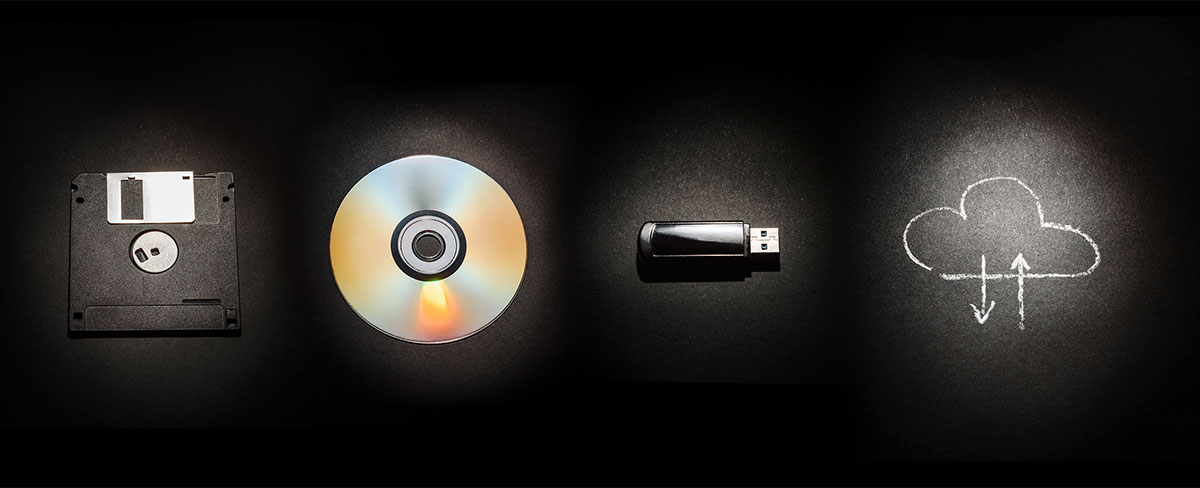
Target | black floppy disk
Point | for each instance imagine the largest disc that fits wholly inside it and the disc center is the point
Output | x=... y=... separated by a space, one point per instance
x=153 y=253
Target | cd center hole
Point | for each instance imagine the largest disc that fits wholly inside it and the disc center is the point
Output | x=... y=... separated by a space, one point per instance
x=429 y=246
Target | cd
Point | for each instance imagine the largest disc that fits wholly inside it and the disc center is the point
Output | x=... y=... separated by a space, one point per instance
x=427 y=249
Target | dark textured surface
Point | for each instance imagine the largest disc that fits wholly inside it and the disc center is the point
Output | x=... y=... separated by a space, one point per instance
x=739 y=150
x=1099 y=119
x=835 y=128
x=99 y=101
x=522 y=137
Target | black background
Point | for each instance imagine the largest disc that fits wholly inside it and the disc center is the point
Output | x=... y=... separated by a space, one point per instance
x=835 y=123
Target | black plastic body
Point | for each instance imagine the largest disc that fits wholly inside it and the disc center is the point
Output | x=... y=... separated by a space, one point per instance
x=713 y=250
x=198 y=295
x=709 y=241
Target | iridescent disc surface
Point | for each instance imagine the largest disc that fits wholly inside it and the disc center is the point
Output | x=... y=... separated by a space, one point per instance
x=360 y=250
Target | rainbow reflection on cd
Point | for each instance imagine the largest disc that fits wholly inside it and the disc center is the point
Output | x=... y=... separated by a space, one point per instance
x=395 y=239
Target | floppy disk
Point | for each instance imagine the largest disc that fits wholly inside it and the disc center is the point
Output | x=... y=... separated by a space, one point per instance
x=153 y=253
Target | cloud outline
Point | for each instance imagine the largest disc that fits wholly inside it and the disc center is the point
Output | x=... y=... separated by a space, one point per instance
x=961 y=212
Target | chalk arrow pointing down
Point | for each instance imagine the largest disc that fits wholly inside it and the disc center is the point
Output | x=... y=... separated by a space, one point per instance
x=982 y=317
x=1021 y=266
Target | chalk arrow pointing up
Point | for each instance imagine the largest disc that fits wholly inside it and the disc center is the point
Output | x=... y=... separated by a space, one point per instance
x=1021 y=266
x=980 y=315
x=1019 y=262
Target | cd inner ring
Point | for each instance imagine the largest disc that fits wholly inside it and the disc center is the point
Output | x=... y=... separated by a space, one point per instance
x=429 y=246
x=423 y=259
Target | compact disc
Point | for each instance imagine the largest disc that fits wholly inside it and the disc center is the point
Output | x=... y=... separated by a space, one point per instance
x=427 y=249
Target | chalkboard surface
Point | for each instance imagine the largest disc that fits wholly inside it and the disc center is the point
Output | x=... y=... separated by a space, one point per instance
x=1066 y=138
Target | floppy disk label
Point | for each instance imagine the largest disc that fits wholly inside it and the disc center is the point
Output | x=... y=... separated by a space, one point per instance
x=164 y=197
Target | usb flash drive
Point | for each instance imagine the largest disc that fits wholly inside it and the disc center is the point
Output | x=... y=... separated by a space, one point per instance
x=722 y=247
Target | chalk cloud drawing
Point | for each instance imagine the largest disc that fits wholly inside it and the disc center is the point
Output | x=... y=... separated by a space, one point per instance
x=1020 y=269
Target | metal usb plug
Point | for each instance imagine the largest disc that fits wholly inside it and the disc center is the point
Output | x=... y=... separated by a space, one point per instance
x=764 y=240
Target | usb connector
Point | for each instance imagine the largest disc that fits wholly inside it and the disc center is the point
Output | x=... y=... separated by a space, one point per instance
x=764 y=240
